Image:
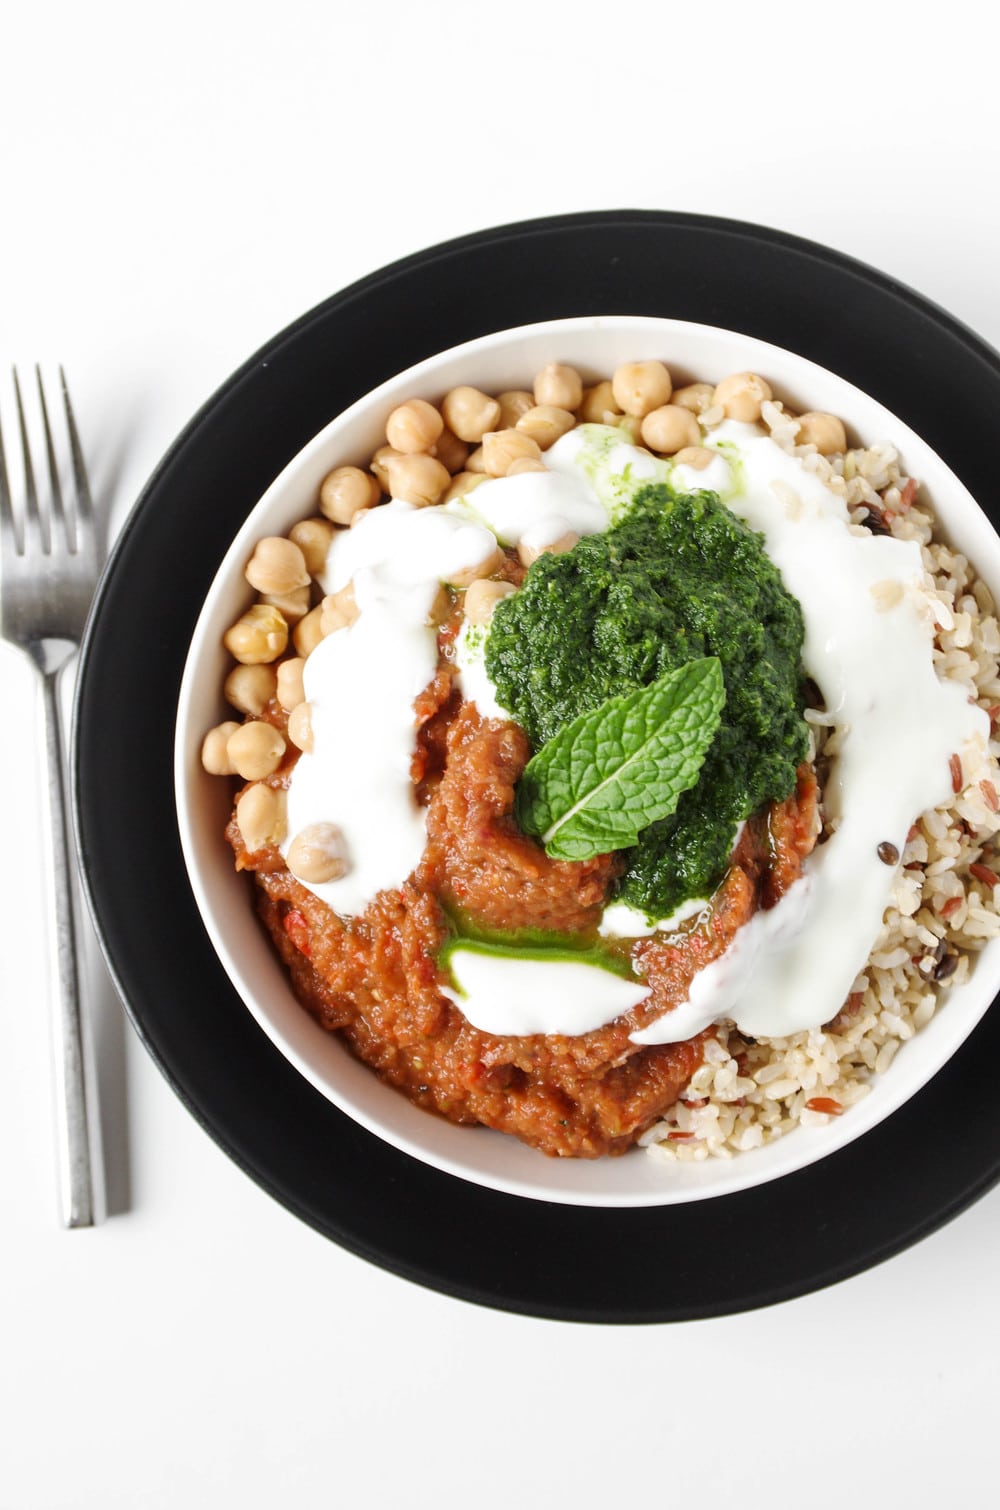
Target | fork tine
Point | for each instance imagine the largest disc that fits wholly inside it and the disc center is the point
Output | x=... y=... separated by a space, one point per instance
x=36 y=535
x=57 y=515
x=84 y=520
x=8 y=522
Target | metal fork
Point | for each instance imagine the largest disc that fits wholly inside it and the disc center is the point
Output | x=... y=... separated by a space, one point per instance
x=48 y=574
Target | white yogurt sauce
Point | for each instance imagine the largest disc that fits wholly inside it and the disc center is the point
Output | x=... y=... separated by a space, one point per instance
x=536 y=506
x=361 y=682
x=620 y=921
x=470 y=658
x=513 y=996
x=405 y=547
x=868 y=646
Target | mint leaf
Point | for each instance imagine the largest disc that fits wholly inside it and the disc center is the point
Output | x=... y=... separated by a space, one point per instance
x=613 y=771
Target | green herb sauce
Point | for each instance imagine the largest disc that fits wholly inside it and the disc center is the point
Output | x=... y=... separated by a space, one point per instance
x=676 y=578
x=538 y=944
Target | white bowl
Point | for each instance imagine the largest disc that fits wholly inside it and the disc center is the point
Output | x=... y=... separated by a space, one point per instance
x=508 y=359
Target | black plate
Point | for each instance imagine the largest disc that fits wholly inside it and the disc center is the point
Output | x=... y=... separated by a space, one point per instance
x=672 y=1263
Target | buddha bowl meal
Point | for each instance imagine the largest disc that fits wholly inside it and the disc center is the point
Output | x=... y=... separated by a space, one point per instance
x=606 y=737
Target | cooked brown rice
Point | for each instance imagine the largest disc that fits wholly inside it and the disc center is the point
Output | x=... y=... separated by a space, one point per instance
x=945 y=908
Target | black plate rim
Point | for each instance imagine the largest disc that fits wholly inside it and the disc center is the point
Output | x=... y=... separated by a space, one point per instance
x=783 y=1288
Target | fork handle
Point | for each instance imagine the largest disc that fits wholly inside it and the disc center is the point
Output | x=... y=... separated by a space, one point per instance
x=77 y=1206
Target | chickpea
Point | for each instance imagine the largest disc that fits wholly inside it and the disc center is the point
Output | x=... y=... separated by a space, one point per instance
x=824 y=431
x=698 y=457
x=482 y=597
x=300 y=728
x=359 y=516
x=309 y=631
x=380 y=465
x=462 y=484
x=258 y=637
x=339 y=609
x=420 y=480
x=513 y=403
x=530 y=553
x=214 y=751
x=470 y=413
x=290 y=691
x=475 y=462
x=631 y=427
x=318 y=854
x=558 y=385
x=526 y=464
x=545 y=423
x=250 y=688
x=414 y=426
x=344 y=491
x=313 y=537
x=640 y=387
x=260 y=816
x=502 y=447
x=598 y=403
x=491 y=562
x=276 y=566
x=741 y=396
x=255 y=749
x=670 y=428
x=694 y=396
x=292 y=606
x=440 y=609
x=450 y=451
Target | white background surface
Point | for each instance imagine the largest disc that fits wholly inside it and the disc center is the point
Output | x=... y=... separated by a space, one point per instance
x=178 y=185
